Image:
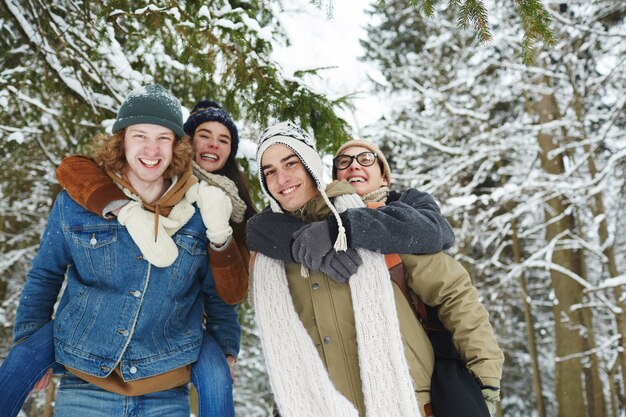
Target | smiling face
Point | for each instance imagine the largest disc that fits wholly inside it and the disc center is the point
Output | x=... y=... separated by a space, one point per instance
x=148 y=149
x=363 y=179
x=211 y=144
x=287 y=179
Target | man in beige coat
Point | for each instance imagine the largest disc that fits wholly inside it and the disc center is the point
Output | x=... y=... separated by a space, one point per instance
x=337 y=348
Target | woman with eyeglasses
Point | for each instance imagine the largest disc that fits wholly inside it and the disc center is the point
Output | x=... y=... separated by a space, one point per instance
x=409 y=222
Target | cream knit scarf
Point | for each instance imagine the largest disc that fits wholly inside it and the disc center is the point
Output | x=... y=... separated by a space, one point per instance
x=300 y=382
x=227 y=185
x=178 y=214
x=159 y=248
x=377 y=195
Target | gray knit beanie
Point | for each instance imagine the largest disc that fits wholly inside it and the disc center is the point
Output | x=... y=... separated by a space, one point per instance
x=152 y=104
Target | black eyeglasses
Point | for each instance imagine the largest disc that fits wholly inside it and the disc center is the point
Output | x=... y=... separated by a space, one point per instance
x=365 y=159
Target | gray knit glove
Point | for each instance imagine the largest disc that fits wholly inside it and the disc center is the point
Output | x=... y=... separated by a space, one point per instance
x=341 y=265
x=311 y=243
x=313 y=248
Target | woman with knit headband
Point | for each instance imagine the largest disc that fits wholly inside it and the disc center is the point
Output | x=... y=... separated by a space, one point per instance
x=338 y=337
x=215 y=141
x=130 y=321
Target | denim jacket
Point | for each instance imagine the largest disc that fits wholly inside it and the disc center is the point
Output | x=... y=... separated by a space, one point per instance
x=118 y=309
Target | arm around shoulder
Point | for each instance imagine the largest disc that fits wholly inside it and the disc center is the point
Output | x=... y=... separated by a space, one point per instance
x=87 y=184
x=271 y=234
x=410 y=222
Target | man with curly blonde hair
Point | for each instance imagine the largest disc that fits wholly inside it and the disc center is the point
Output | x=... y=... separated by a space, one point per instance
x=130 y=321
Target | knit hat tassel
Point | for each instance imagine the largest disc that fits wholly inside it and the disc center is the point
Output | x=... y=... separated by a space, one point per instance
x=304 y=271
x=341 y=244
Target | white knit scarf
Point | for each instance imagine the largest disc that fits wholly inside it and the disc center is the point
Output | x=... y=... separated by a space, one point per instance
x=300 y=382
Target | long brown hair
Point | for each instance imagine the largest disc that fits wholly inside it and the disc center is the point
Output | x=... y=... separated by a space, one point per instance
x=108 y=152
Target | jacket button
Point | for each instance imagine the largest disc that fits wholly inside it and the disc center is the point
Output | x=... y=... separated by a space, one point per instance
x=93 y=241
x=136 y=293
x=133 y=370
x=327 y=340
x=123 y=332
x=315 y=286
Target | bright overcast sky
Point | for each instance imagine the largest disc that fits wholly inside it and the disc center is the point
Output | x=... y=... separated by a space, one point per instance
x=321 y=42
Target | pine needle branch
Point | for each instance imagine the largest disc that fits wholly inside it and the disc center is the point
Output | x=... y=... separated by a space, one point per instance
x=320 y=5
x=535 y=18
x=426 y=6
x=537 y=22
x=475 y=11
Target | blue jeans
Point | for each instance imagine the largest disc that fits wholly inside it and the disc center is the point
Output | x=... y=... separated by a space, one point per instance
x=80 y=398
x=210 y=374
x=29 y=360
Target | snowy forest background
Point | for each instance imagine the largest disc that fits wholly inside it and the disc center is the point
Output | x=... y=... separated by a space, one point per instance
x=527 y=161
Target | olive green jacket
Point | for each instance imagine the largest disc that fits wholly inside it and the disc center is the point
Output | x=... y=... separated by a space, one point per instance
x=325 y=309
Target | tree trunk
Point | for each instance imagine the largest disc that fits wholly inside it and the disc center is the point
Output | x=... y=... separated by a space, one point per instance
x=595 y=398
x=567 y=322
x=613 y=391
x=530 y=326
x=516 y=248
x=603 y=232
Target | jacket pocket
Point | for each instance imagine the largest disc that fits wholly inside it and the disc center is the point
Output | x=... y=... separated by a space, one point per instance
x=191 y=243
x=76 y=319
x=192 y=250
x=93 y=237
x=95 y=254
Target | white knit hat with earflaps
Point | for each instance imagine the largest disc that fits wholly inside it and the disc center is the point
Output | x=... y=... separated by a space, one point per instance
x=303 y=145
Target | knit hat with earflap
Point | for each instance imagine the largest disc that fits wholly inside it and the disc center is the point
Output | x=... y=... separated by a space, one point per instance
x=386 y=171
x=209 y=111
x=303 y=146
x=152 y=104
